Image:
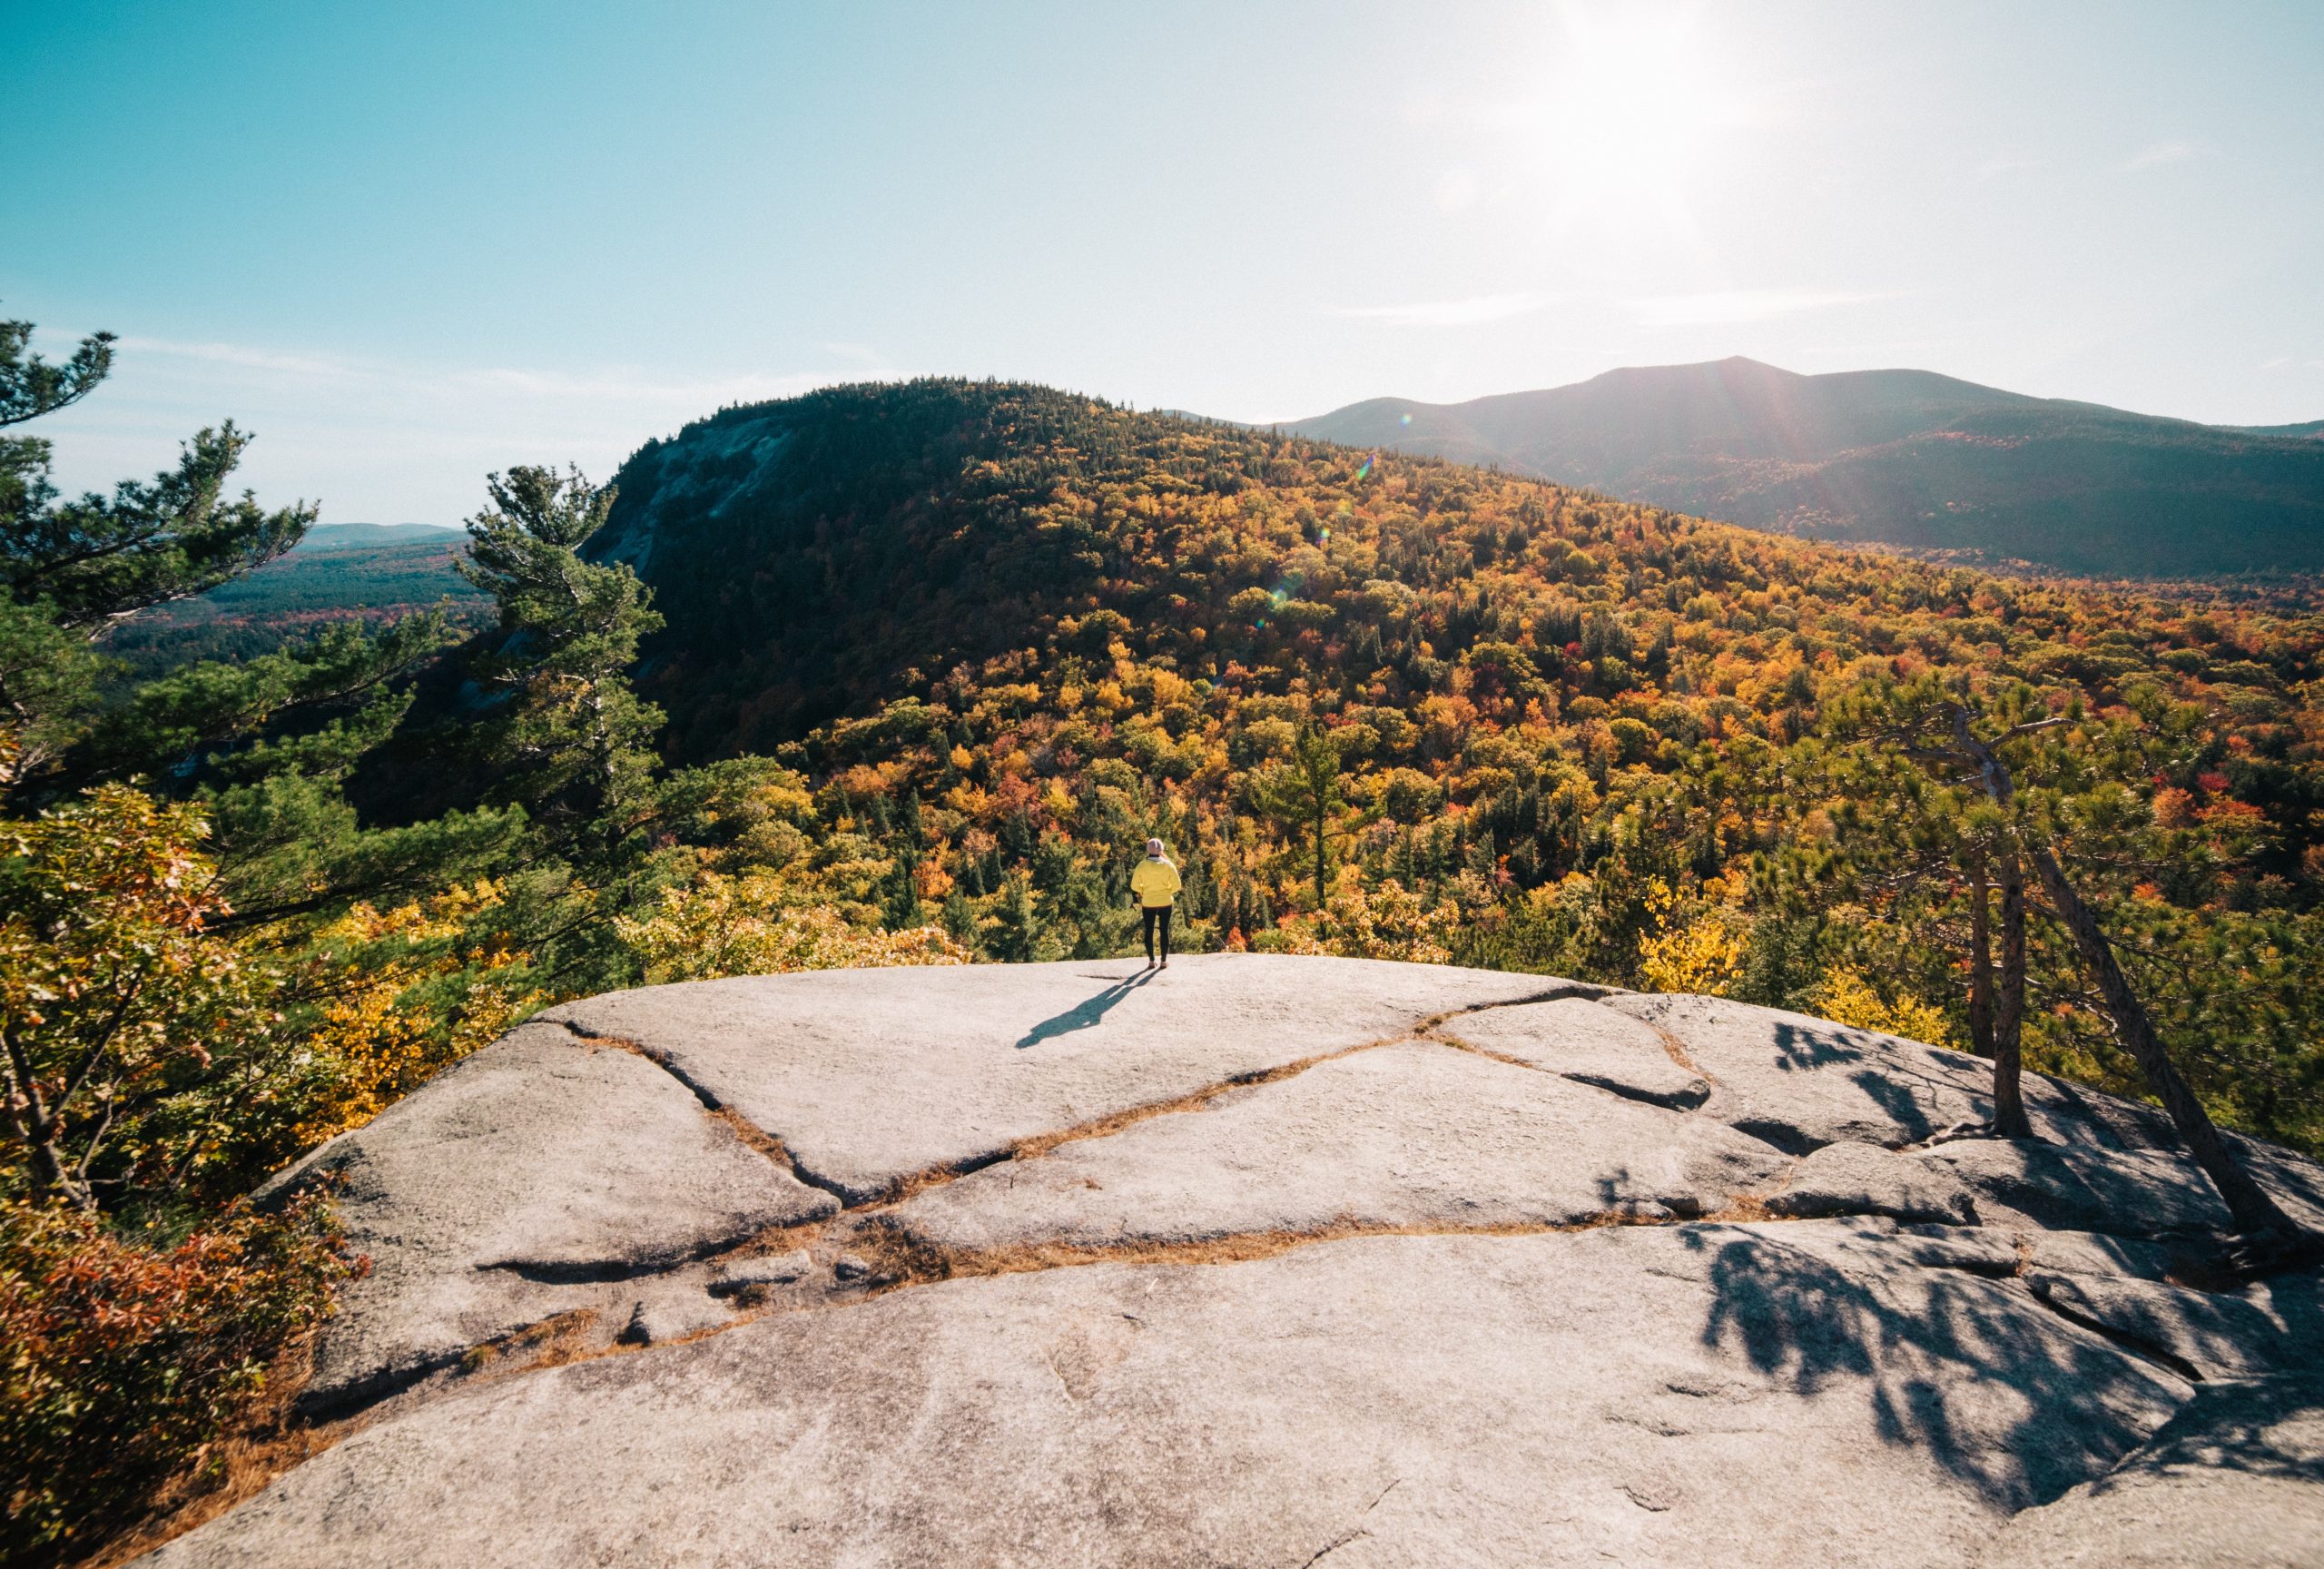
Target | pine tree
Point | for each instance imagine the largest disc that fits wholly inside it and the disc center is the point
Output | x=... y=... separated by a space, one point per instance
x=1302 y=794
x=97 y=560
x=573 y=745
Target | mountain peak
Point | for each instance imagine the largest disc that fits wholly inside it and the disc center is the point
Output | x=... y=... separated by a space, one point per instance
x=1896 y=456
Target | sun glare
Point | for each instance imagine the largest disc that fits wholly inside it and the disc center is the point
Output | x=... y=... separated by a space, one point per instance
x=1629 y=112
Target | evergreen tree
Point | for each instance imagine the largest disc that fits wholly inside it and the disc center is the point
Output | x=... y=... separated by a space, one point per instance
x=1302 y=794
x=95 y=561
x=572 y=744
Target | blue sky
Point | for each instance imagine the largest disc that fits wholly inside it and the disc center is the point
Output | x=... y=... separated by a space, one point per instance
x=410 y=243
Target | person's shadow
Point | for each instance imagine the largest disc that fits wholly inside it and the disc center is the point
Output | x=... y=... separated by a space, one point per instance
x=1082 y=1015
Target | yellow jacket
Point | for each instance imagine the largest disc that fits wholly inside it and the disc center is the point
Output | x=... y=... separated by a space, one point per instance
x=1156 y=884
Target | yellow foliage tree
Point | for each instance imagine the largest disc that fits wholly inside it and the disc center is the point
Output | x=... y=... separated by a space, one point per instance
x=1702 y=954
x=380 y=1045
x=1384 y=923
x=1845 y=997
x=751 y=925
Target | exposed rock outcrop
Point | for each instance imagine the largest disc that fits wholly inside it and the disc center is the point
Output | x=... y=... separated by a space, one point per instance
x=1269 y=1260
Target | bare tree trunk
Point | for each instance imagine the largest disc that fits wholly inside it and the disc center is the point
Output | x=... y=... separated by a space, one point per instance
x=38 y=1128
x=2009 y=1102
x=2253 y=1211
x=1981 y=959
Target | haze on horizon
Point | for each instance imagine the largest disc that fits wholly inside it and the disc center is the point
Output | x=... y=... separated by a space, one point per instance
x=410 y=244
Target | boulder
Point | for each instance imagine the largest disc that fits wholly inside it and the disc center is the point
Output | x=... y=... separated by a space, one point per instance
x=1801 y=1083
x=1851 y=1179
x=2235 y=1481
x=763 y=1272
x=529 y=1180
x=2096 y=1253
x=2208 y=1333
x=2078 y=1188
x=1416 y=1136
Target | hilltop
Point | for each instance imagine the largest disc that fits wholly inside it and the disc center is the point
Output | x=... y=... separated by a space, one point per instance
x=1900 y=458
x=923 y=667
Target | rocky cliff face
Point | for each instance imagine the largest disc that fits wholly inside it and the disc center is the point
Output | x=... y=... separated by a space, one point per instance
x=1271 y=1260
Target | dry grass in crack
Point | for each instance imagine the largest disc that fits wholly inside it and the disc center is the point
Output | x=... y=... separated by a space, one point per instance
x=1677 y=1050
x=1743 y=1210
x=756 y=1137
x=775 y=1240
x=608 y=1043
x=1443 y=1038
x=1040 y=1144
x=553 y=1342
x=901 y=1259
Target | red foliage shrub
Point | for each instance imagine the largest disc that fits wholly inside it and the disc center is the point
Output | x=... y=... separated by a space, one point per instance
x=123 y=1363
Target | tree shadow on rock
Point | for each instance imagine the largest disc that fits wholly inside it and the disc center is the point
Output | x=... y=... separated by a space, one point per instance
x=2261 y=1427
x=1799 y=1049
x=1993 y=1390
x=1887 y=1081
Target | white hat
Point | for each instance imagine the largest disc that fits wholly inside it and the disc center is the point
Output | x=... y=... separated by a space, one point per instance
x=1153 y=849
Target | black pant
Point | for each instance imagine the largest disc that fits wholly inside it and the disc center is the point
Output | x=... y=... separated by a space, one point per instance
x=1152 y=916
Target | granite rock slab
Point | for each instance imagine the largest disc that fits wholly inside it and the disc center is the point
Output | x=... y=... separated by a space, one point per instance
x=870 y=1077
x=1590 y=1043
x=1420 y=1136
x=528 y=1180
x=1764 y=1402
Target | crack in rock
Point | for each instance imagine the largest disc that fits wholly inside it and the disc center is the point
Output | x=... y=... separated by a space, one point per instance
x=2137 y=1346
x=758 y=1139
x=1355 y=1532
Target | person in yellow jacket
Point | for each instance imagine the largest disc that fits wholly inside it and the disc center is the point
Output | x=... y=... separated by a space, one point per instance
x=1154 y=886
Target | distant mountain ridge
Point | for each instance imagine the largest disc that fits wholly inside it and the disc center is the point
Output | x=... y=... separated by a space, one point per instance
x=1905 y=458
x=378 y=535
x=339 y=571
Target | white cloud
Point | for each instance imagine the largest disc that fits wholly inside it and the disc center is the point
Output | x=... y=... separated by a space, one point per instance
x=386 y=440
x=2158 y=154
x=1466 y=312
x=617 y=386
x=236 y=354
x=1998 y=168
x=2278 y=364
x=1735 y=305
x=1458 y=188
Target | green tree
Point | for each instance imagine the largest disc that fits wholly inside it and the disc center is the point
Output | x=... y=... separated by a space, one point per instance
x=573 y=745
x=99 y=559
x=1302 y=794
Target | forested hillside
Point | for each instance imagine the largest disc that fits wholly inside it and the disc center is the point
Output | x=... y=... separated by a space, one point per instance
x=1008 y=632
x=1903 y=457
